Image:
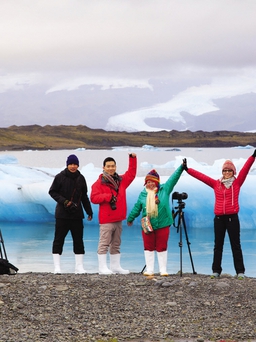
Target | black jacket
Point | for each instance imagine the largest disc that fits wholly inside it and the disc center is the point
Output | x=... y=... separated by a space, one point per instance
x=70 y=186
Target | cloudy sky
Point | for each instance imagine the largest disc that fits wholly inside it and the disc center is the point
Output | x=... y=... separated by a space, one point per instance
x=64 y=44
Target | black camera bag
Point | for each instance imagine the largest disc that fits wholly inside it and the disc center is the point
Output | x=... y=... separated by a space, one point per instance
x=7 y=268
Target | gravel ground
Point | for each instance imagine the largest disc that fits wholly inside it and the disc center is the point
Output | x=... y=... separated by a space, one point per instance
x=80 y=308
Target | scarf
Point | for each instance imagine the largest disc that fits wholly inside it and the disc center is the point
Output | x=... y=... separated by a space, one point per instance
x=151 y=203
x=227 y=182
x=111 y=181
x=77 y=191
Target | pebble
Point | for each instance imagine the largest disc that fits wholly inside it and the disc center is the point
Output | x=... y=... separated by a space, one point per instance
x=126 y=308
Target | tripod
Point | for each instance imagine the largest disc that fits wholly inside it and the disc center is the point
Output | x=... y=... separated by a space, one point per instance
x=3 y=254
x=182 y=223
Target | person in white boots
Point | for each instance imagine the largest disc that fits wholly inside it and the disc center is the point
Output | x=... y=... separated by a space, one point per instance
x=156 y=220
x=69 y=190
x=109 y=191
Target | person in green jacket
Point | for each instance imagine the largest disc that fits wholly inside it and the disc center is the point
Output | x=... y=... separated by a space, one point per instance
x=153 y=203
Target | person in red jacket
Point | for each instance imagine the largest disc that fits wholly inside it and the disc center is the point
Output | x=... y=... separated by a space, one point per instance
x=226 y=208
x=109 y=191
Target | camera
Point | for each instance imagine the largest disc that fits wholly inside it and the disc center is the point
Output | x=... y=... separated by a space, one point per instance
x=72 y=208
x=179 y=196
x=113 y=202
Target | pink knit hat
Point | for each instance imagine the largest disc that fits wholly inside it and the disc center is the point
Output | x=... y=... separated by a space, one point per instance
x=228 y=165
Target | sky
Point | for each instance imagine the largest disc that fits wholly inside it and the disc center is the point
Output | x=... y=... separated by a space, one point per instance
x=64 y=44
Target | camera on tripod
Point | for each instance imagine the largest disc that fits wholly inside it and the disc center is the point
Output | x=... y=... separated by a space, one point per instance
x=179 y=196
x=181 y=224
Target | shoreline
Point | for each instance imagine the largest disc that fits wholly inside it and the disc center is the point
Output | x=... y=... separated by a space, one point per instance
x=58 y=137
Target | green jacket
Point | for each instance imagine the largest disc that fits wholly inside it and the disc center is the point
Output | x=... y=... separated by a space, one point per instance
x=164 y=217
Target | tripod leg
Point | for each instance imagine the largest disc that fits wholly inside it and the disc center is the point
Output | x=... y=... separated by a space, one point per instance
x=179 y=229
x=2 y=242
x=188 y=243
x=143 y=269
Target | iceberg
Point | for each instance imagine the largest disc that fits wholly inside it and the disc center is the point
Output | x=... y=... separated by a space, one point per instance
x=24 y=190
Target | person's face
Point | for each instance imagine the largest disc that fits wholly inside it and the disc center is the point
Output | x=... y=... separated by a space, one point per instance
x=72 y=167
x=150 y=185
x=227 y=173
x=110 y=167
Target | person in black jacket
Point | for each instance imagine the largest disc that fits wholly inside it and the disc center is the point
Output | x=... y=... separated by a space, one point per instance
x=69 y=190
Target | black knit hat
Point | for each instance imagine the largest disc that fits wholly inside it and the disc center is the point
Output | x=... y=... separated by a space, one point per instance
x=72 y=159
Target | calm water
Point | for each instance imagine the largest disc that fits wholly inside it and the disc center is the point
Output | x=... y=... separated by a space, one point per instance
x=28 y=247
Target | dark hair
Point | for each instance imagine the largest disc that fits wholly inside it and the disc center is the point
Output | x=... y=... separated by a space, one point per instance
x=108 y=159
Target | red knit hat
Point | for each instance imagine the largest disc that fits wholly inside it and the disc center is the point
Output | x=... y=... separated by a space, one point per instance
x=153 y=176
x=228 y=165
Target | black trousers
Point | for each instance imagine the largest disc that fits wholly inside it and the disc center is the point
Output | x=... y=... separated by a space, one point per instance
x=231 y=224
x=62 y=227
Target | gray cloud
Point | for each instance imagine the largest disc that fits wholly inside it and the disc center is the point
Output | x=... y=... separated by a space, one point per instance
x=140 y=38
x=79 y=56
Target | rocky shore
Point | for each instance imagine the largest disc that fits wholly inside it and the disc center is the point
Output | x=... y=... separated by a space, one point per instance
x=116 y=308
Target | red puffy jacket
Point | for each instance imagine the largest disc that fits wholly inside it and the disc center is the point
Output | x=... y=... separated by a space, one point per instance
x=226 y=200
x=101 y=194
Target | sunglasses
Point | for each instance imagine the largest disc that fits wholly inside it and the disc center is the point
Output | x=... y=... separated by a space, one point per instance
x=227 y=171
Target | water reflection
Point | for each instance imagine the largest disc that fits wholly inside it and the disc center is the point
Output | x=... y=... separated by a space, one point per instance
x=28 y=246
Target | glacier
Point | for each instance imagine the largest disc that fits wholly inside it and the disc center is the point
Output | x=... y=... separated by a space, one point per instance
x=24 y=189
x=195 y=100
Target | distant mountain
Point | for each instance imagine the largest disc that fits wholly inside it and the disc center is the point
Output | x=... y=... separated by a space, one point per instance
x=61 y=137
x=162 y=106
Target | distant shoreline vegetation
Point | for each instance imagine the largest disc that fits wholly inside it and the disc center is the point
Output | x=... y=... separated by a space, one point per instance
x=35 y=137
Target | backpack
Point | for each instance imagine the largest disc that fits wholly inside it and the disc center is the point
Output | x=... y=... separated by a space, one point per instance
x=7 y=268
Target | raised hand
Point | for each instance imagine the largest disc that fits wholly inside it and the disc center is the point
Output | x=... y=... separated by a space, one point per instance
x=184 y=164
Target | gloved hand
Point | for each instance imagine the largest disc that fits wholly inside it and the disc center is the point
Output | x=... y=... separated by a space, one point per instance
x=254 y=154
x=67 y=203
x=184 y=164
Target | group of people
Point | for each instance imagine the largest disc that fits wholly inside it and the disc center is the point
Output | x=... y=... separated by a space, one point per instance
x=69 y=190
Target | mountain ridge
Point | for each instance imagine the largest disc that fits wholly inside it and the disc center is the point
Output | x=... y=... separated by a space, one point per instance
x=60 y=137
x=167 y=105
